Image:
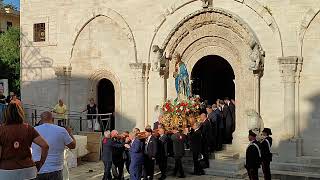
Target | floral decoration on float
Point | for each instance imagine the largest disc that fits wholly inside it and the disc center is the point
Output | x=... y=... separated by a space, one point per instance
x=180 y=113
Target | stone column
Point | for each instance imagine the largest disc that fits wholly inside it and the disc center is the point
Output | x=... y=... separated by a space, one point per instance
x=289 y=70
x=63 y=74
x=140 y=76
x=257 y=76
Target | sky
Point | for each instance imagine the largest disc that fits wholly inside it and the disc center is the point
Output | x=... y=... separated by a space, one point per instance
x=14 y=2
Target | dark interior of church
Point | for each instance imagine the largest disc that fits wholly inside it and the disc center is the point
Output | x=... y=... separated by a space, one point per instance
x=213 y=78
x=106 y=99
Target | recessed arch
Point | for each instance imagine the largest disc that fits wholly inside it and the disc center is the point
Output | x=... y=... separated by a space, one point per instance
x=114 y=16
x=94 y=80
x=253 y=5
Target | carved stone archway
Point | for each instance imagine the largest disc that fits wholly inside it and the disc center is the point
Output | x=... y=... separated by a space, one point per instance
x=93 y=84
x=215 y=31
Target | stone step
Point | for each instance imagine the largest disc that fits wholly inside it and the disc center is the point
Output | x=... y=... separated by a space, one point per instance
x=227 y=147
x=225 y=173
x=309 y=160
x=226 y=155
x=290 y=175
x=227 y=165
x=295 y=167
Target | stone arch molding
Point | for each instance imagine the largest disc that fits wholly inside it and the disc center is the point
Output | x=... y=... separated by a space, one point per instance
x=114 y=16
x=206 y=22
x=308 y=18
x=254 y=5
x=94 y=79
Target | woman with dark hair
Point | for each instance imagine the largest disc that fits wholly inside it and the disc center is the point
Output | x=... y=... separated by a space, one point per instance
x=16 y=138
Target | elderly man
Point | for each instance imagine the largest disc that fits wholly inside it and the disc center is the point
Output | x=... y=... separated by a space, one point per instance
x=117 y=155
x=57 y=138
x=136 y=155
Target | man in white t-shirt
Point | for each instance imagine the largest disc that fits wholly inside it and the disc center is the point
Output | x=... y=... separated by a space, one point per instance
x=57 y=138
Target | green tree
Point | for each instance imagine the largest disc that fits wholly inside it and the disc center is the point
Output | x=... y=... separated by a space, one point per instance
x=10 y=58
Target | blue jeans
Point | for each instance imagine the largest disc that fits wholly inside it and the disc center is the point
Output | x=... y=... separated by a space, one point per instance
x=56 y=175
x=107 y=170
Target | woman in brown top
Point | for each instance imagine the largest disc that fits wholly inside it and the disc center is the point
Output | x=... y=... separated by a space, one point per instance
x=16 y=138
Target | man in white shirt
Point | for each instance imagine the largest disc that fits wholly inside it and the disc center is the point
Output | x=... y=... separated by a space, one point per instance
x=57 y=138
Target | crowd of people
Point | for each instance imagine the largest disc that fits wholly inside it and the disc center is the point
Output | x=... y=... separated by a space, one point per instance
x=140 y=152
x=28 y=152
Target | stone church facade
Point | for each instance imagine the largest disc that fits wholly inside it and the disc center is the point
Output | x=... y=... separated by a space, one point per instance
x=272 y=47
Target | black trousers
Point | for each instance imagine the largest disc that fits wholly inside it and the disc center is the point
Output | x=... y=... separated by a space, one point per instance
x=178 y=166
x=56 y=175
x=197 y=169
x=266 y=170
x=253 y=174
x=148 y=168
x=107 y=170
x=220 y=139
x=117 y=169
x=163 y=163
x=205 y=154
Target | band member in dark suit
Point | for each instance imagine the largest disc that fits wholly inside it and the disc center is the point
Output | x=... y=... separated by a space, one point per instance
x=117 y=156
x=253 y=157
x=195 y=137
x=229 y=117
x=136 y=155
x=178 y=139
x=150 y=152
x=266 y=153
x=220 y=127
x=107 y=146
x=162 y=156
x=207 y=134
x=212 y=118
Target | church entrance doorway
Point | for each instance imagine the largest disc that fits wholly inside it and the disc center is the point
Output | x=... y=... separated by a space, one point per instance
x=213 y=78
x=106 y=103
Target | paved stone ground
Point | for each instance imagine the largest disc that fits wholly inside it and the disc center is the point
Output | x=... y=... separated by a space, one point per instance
x=94 y=171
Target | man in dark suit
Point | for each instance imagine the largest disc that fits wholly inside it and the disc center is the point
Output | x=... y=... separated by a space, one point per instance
x=117 y=154
x=150 y=152
x=195 y=137
x=136 y=155
x=220 y=127
x=253 y=157
x=107 y=146
x=229 y=116
x=207 y=134
x=178 y=140
x=162 y=156
x=213 y=116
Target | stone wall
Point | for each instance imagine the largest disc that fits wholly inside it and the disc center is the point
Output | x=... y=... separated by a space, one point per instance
x=112 y=39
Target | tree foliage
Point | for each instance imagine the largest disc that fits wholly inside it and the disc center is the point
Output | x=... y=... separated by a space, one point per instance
x=10 y=58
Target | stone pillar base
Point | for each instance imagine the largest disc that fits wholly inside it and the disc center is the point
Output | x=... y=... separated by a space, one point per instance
x=289 y=150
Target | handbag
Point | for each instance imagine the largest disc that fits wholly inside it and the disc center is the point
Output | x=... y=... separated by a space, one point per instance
x=97 y=126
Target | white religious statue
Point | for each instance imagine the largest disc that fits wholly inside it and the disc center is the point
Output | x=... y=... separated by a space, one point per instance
x=181 y=76
x=256 y=56
x=158 y=57
x=255 y=122
x=157 y=114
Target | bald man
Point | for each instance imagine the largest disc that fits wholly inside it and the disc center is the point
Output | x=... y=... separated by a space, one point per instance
x=57 y=138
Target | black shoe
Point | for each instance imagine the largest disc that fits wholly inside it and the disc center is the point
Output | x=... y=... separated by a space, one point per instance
x=182 y=176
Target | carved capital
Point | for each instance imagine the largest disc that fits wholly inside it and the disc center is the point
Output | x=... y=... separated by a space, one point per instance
x=63 y=72
x=290 y=68
x=140 y=70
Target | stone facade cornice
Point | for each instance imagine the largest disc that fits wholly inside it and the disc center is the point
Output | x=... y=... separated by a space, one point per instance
x=290 y=68
x=141 y=70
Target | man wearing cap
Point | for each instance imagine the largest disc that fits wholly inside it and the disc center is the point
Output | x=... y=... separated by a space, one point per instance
x=253 y=157
x=266 y=154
